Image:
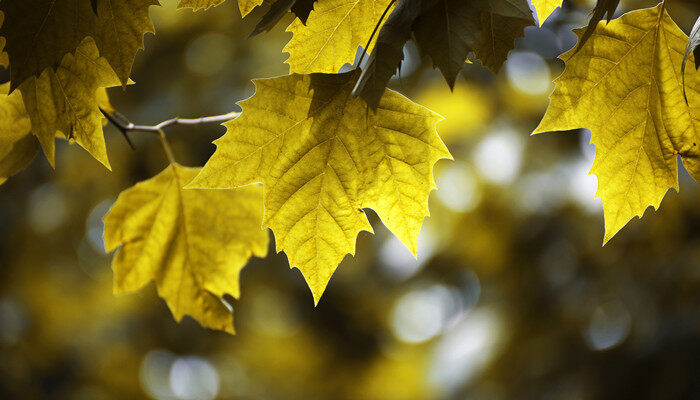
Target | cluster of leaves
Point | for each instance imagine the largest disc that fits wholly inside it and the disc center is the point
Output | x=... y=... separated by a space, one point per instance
x=323 y=144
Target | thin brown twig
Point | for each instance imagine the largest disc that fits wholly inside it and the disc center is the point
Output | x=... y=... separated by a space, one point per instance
x=125 y=126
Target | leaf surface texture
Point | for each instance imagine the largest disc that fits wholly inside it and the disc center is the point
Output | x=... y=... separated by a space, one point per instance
x=322 y=157
x=625 y=86
x=40 y=33
x=17 y=145
x=192 y=243
x=66 y=100
x=446 y=31
x=332 y=34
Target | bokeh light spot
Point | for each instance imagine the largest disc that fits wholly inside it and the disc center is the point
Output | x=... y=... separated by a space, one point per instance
x=46 y=209
x=458 y=188
x=194 y=378
x=609 y=326
x=419 y=315
x=528 y=72
x=498 y=156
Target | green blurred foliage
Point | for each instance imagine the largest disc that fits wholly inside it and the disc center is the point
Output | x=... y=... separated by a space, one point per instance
x=512 y=295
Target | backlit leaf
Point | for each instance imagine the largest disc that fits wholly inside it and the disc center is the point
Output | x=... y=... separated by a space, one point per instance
x=322 y=157
x=602 y=8
x=332 y=34
x=40 y=32
x=197 y=5
x=66 y=100
x=246 y=6
x=17 y=145
x=545 y=8
x=625 y=86
x=192 y=243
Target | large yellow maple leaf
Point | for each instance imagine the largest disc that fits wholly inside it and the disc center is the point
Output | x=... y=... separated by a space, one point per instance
x=332 y=34
x=625 y=86
x=192 y=243
x=322 y=157
x=67 y=100
x=40 y=32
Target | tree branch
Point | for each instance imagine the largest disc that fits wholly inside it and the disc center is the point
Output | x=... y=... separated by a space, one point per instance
x=125 y=126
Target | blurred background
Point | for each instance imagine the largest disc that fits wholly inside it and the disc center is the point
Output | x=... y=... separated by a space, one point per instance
x=511 y=297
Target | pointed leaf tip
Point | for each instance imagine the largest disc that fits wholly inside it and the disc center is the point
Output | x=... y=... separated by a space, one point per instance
x=322 y=155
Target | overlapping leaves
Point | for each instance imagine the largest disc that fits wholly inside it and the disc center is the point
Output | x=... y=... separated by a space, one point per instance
x=625 y=86
x=332 y=33
x=62 y=55
x=67 y=101
x=64 y=101
x=321 y=153
x=40 y=33
x=322 y=156
x=447 y=31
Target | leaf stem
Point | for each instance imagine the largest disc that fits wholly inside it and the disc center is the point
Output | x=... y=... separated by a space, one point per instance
x=166 y=146
x=125 y=126
x=364 y=51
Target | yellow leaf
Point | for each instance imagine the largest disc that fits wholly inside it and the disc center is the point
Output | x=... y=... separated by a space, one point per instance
x=624 y=85
x=17 y=145
x=545 y=8
x=246 y=6
x=322 y=157
x=192 y=243
x=66 y=100
x=196 y=5
x=40 y=32
x=332 y=34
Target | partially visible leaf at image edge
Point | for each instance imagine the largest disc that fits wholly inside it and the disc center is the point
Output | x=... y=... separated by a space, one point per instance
x=446 y=31
x=625 y=86
x=332 y=34
x=39 y=33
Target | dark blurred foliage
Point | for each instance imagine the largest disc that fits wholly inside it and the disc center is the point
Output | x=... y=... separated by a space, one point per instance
x=512 y=295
